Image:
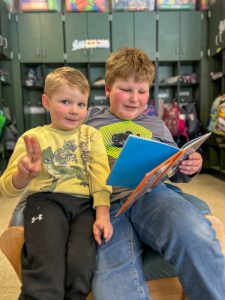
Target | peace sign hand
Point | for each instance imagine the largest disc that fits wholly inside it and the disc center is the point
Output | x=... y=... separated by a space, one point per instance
x=29 y=165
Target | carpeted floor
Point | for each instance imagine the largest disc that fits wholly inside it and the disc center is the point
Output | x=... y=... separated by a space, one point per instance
x=206 y=187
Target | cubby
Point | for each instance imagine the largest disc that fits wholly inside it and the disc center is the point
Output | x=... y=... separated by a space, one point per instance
x=215 y=157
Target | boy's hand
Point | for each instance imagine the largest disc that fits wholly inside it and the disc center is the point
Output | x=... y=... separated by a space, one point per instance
x=192 y=164
x=29 y=165
x=102 y=228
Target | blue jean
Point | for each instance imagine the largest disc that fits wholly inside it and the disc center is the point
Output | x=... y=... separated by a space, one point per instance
x=171 y=225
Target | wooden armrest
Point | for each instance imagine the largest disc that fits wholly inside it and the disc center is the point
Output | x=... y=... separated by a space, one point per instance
x=11 y=242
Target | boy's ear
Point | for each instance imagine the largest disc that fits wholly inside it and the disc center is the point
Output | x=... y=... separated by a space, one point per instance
x=107 y=91
x=45 y=101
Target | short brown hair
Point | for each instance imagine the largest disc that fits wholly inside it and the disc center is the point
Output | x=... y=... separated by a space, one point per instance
x=66 y=75
x=128 y=62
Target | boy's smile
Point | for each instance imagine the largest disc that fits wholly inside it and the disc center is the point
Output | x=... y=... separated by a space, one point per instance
x=128 y=98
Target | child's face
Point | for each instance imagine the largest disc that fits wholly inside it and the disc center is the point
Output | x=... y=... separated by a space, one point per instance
x=128 y=98
x=67 y=107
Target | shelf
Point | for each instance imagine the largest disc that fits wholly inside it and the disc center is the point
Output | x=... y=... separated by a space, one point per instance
x=33 y=87
x=5 y=83
x=99 y=87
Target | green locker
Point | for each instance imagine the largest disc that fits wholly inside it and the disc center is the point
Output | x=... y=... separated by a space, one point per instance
x=122 y=30
x=40 y=37
x=98 y=27
x=5 y=41
x=145 y=32
x=75 y=29
x=168 y=36
x=190 y=35
x=86 y=27
x=134 y=29
x=214 y=20
x=223 y=19
x=180 y=35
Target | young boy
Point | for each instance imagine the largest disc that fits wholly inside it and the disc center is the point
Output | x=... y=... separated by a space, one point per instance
x=60 y=167
x=162 y=218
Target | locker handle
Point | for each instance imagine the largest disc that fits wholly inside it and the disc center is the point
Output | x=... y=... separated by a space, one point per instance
x=183 y=49
x=91 y=52
x=84 y=52
x=176 y=50
x=220 y=38
x=216 y=40
x=6 y=43
x=38 y=52
x=1 y=41
x=44 y=52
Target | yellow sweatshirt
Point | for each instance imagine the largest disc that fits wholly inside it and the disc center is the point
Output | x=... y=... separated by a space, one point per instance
x=73 y=162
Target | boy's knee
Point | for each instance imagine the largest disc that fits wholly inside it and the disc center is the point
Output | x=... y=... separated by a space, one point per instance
x=83 y=262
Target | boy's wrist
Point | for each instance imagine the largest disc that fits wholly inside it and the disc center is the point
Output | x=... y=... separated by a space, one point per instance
x=19 y=180
x=102 y=212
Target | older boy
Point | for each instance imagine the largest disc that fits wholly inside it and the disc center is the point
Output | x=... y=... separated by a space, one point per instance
x=162 y=219
x=59 y=168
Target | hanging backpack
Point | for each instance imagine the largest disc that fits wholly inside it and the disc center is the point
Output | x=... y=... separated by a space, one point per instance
x=2 y=122
x=175 y=119
x=171 y=112
x=150 y=110
x=192 y=121
x=217 y=116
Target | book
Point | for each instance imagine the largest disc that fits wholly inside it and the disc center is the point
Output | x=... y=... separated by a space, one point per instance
x=143 y=163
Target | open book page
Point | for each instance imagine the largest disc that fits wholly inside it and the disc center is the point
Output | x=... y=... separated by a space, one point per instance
x=151 y=165
x=189 y=147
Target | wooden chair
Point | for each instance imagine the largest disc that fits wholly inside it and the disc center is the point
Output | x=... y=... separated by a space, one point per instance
x=12 y=239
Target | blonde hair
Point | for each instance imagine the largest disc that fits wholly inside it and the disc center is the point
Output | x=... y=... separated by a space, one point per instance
x=66 y=75
x=128 y=62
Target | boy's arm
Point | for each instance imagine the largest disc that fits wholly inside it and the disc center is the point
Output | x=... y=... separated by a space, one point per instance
x=7 y=186
x=99 y=172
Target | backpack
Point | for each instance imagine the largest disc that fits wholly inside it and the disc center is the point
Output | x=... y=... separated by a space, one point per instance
x=192 y=121
x=217 y=116
x=2 y=122
x=150 y=110
x=171 y=112
x=175 y=119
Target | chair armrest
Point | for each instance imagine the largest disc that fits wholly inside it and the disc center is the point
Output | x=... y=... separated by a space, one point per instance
x=11 y=242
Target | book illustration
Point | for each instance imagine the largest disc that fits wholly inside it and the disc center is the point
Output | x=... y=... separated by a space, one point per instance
x=143 y=164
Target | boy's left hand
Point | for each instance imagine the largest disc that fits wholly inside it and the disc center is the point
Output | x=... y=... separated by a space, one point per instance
x=192 y=164
x=102 y=228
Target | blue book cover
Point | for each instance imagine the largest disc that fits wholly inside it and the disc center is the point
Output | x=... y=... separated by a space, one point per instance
x=138 y=157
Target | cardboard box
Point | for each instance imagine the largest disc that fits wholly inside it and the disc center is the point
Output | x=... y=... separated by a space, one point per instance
x=40 y=5
x=175 y=4
x=135 y=5
x=203 y=4
x=85 y=5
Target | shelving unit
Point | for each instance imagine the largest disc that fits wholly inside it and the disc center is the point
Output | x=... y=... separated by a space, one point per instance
x=121 y=29
x=5 y=73
x=215 y=154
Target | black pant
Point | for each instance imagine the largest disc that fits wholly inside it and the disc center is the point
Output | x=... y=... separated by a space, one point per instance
x=58 y=257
